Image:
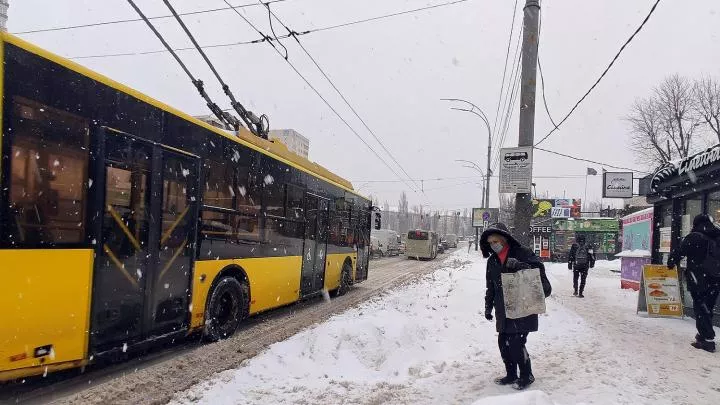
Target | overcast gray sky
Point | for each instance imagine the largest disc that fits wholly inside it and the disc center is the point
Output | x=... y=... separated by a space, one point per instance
x=394 y=72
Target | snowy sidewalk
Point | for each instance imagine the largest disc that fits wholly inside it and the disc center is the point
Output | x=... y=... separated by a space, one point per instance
x=428 y=343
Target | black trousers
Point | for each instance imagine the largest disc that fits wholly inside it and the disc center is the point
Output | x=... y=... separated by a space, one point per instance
x=703 y=304
x=514 y=354
x=582 y=273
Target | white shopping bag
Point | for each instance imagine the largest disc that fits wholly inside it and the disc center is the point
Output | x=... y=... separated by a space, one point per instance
x=523 y=293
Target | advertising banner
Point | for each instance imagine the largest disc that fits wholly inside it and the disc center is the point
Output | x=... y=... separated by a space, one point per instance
x=556 y=208
x=637 y=231
x=660 y=287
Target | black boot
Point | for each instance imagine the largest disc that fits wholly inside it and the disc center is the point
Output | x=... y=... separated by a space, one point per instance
x=707 y=345
x=510 y=375
x=526 y=376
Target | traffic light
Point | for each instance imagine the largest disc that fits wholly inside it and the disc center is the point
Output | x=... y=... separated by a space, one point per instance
x=378 y=221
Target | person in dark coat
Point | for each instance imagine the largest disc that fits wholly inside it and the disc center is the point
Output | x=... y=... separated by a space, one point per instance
x=703 y=279
x=506 y=255
x=580 y=259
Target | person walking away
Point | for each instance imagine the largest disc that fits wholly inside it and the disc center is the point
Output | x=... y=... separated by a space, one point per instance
x=506 y=255
x=580 y=260
x=702 y=274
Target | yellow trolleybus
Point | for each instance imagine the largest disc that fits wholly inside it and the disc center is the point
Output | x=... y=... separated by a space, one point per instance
x=124 y=222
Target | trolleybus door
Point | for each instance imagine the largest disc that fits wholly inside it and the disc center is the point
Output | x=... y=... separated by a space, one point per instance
x=315 y=244
x=143 y=267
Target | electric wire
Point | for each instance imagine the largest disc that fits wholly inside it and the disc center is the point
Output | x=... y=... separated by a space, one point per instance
x=253 y=123
x=505 y=66
x=340 y=93
x=602 y=75
x=511 y=98
x=224 y=117
x=264 y=38
x=327 y=103
x=590 y=161
x=129 y=20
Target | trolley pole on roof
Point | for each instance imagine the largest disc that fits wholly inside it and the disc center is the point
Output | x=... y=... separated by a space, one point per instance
x=523 y=201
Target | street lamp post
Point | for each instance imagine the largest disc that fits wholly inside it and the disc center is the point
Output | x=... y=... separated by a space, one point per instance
x=483 y=176
x=479 y=113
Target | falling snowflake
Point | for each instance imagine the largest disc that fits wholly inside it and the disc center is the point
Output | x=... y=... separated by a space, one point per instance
x=124 y=349
x=269 y=180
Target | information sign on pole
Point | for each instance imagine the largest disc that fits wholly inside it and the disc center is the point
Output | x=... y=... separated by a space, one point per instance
x=516 y=170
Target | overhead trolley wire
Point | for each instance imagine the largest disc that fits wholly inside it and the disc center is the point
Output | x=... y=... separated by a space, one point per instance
x=590 y=161
x=307 y=82
x=129 y=20
x=256 y=125
x=340 y=93
x=227 y=119
x=505 y=66
x=511 y=97
x=265 y=38
x=602 y=75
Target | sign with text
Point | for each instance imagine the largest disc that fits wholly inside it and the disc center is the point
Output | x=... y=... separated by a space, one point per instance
x=665 y=239
x=661 y=288
x=516 y=170
x=617 y=185
x=482 y=217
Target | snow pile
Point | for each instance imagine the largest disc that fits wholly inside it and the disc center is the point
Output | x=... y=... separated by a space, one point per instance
x=428 y=343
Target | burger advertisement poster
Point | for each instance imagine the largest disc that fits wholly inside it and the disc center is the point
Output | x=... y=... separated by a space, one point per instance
x=662 y=291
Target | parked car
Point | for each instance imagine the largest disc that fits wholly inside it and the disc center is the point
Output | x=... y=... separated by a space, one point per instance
x=452 y=240
x=445 y=244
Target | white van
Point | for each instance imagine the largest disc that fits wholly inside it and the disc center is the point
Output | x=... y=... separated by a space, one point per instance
x=388 y=241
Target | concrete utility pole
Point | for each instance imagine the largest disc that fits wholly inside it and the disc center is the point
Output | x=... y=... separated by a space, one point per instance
x=523 y=201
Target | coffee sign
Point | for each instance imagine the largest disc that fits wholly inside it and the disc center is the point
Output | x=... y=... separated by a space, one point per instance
x=617 y=185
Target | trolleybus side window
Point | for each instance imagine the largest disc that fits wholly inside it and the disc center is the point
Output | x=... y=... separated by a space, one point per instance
x=48 y=175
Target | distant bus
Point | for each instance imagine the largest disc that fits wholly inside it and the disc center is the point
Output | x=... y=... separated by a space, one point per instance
x=422 y=245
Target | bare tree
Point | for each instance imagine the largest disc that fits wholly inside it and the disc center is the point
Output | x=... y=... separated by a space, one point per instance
x=593 y=208
x=507 y=209
x=647 y=139
x=707 y=92
x=664 y=125
x=403 y=213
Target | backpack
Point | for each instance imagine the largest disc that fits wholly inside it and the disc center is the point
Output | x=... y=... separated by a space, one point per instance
x=711 y=263
x=581 y=256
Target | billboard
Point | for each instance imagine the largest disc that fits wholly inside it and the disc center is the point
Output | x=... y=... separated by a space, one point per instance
x=556 y=208
x=617 y=185
x=516 y=170
x=482 y=217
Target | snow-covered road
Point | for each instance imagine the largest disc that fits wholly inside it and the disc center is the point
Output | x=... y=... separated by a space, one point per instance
x=428 y=343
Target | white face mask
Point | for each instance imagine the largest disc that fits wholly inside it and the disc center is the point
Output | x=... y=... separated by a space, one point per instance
x=497 y=247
